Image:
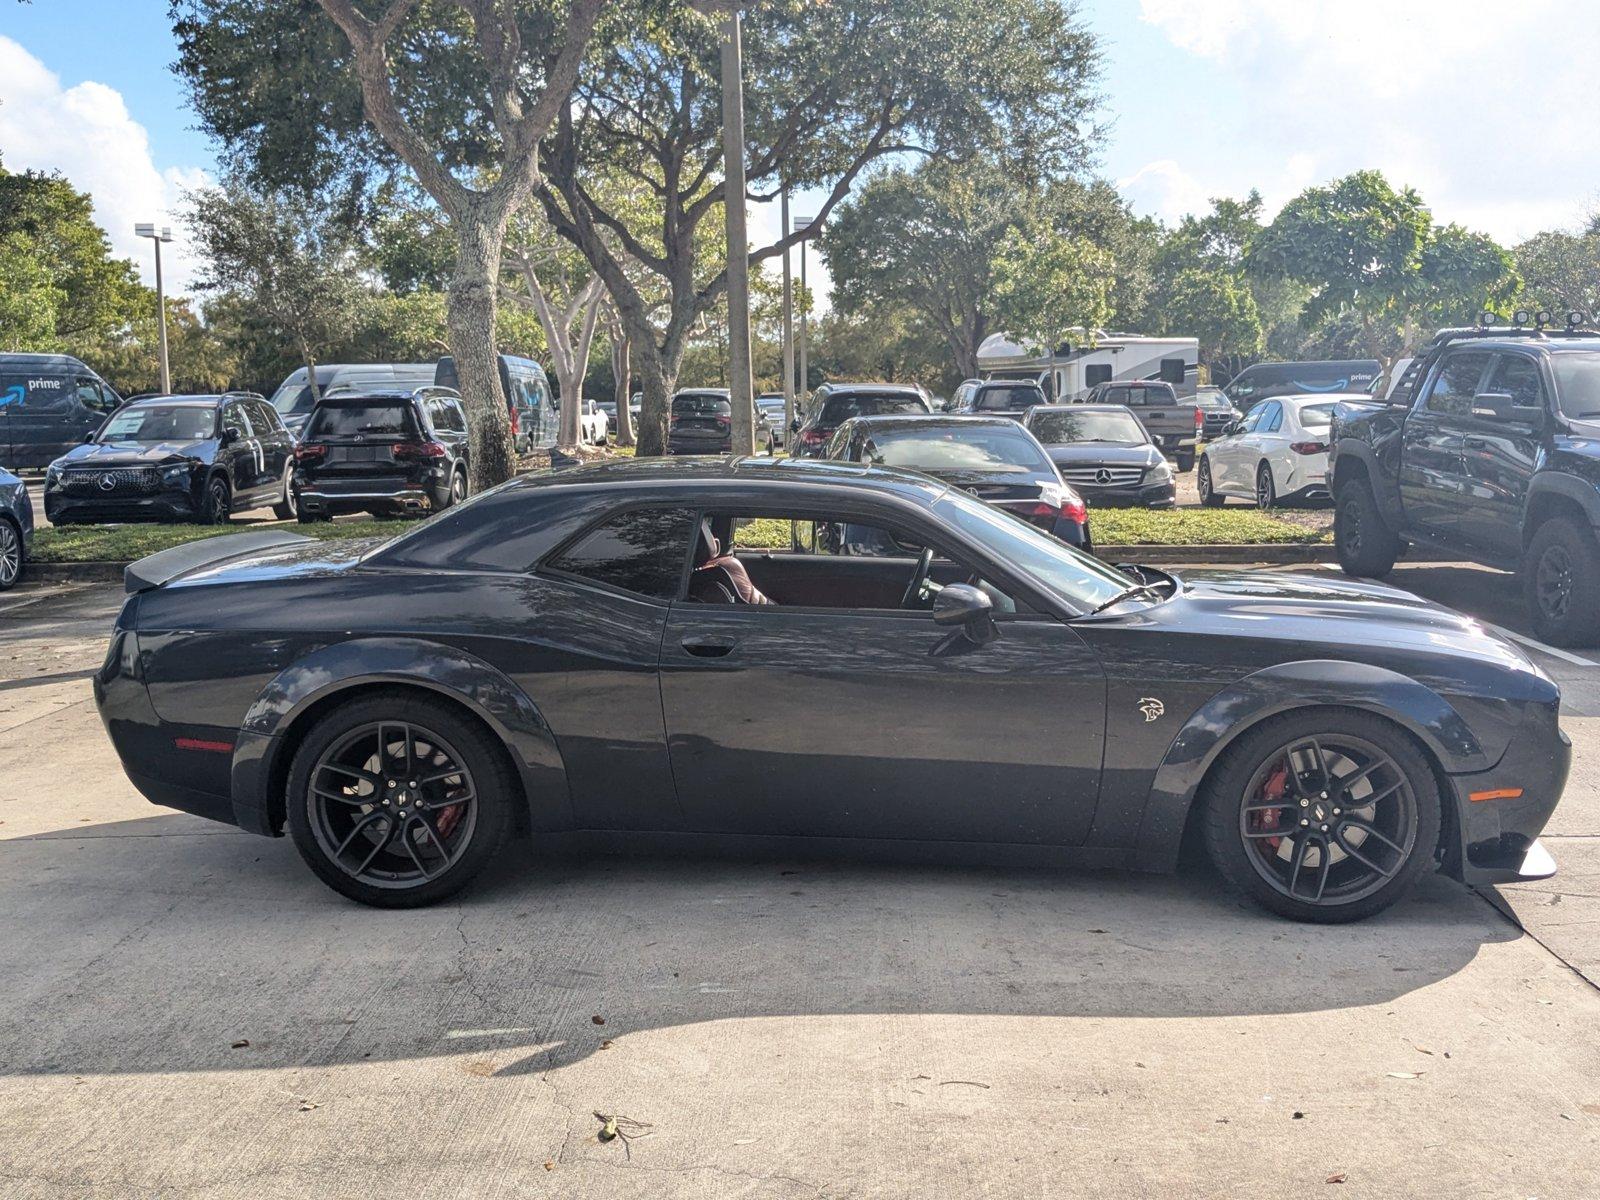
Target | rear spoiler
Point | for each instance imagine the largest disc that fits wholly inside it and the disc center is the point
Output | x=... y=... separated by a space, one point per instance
x=166 y=565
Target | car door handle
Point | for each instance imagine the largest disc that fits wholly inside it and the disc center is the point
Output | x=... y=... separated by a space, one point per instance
x=708 y=646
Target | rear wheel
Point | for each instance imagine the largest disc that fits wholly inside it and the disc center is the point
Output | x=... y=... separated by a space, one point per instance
x=1185 y=461
x=1209 y=496
x=286 y=508
x=10 y=554
x=217 y=507
x=1266 y=490
x=1560 y=580
x=1362 y=540
x=1325 y=815
x=398 y=801
x=458 y=489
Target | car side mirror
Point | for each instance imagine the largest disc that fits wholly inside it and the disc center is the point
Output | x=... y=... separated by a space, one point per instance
x=1505 y=406
x=964 y=605
x=1231 y=428
x=88 y=439
x=230 y=436
x=794 y=425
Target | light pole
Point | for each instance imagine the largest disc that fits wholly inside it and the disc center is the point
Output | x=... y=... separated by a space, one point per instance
x=740 y=387
x=788 y=328
x=805 y=377
x=159 y=236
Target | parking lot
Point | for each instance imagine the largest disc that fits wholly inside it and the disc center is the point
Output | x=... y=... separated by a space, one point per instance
x=184 y=1008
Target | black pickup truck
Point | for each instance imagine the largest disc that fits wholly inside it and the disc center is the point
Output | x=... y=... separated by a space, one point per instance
x=1488 y=447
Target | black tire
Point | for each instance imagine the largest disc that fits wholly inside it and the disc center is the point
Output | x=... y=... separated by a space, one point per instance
x=217 y=506
x=1266 y=487
x=1209 y=496
x=436 y=729
x=306 y=518
x=1185 y=462
x=1253 y=858
x=1560 y=580
x=287 y=508
x=1362 y=540
x=458 y=489
x=13 y=558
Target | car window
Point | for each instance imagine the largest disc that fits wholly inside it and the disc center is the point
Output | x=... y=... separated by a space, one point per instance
x=979 y=447
x=377 y=417
x=235 y=421
x=1577 y=375
x=1116 y=395
x=161 y=423
x=641 y=552
x=1518 y=376
x=837 y=409
x=1271 y=418
x=1317 y=416
x=455 y=414
x=91 y=396
x=264 y=418
x=1006 y=399
x=1055 y=427
x=1457 y=383
x=701 y=404
x=1251 y=420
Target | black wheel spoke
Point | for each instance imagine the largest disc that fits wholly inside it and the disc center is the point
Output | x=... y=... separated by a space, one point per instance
x=1322 y=873
x=1372 y=831
x=1296 y=863
x=1270 y=806
x=1267 y=833
x=1345 y=782
x=1355 y=853
x=1376 y=796
x=402 y=844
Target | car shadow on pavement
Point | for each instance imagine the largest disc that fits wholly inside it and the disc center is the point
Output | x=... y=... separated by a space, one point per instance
x=161 y=944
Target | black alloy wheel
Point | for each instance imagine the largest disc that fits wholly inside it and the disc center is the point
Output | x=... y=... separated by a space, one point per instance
x=1560 y=579
x=10 y=555
x=398 y=801
x=1366 y=547
x=1323 y=815
x=218 y=505
x=458 y=488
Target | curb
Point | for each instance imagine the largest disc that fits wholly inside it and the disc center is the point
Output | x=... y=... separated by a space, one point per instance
x=73 y=572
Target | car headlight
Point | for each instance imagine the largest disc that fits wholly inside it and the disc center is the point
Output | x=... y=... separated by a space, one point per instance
x=176 y=473
x=1161 y=473
x=52 y=477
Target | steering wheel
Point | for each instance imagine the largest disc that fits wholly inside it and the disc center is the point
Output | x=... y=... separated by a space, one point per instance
x=919 y=580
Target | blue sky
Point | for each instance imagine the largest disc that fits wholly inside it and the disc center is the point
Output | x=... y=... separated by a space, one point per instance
x=1490 y=118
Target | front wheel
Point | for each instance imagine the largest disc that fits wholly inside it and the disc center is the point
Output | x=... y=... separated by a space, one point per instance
x=1324 y=815
x=10 y=555
x=1184 y=462
x=1363 y=542
x=398 y=800
x=1560 y=580
x=217 y=508
x=1209 y=496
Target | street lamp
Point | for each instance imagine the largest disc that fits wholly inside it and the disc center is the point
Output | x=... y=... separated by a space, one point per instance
x=159 y=236
x=805 y=378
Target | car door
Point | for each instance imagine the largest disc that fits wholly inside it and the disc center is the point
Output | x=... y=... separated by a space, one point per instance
x=1433 y=483
x=277 y=445
x=874 y=722
x=1501 y=444
x=1227 y=455
x=241 y=455
x=1268 y=442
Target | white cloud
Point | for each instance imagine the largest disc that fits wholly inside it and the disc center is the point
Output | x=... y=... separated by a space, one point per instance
x=86 y=133
x=1487 y=111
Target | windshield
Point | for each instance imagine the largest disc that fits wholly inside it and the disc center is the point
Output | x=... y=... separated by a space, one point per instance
x=1211 y=398
x=360 y=420
x=1317 y=416
x=1081 y=580
x=293 y=398
x=161 y=423
x=701 y=405
x=1009 y=399
x=1057 y=428
x=1577 y=375
x=839 y=409
x=984 y=448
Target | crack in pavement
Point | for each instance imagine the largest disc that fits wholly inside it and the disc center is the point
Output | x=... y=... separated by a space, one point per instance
x=1495 y=901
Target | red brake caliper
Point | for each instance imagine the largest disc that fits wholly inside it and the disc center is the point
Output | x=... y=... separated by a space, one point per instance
x=1272 y=791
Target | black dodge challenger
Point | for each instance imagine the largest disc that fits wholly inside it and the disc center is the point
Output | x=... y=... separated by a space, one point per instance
x=614 y=651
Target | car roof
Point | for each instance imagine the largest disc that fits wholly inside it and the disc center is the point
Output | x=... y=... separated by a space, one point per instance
x=932 y=421
x=705 y=391
x=1299 y=398
x=188 y=401
x=38 y=362
x=1009 y=383
x=909 y=389
x=1099 y=408
x=691 y=472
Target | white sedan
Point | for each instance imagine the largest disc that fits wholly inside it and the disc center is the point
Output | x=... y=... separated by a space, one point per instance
x=592 y=423
x=1277 y=451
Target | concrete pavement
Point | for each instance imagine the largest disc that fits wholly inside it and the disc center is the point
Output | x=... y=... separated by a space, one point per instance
x=774 y=1029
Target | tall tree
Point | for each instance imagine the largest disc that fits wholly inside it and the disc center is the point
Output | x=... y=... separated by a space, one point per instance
x=1371 y=251
x=460 y=93
x=1561 y=270
x=830 y=89
x=294 y=260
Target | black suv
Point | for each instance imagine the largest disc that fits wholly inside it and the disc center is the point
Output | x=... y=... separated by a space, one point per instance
x=701 y=422
x=833 y=404
x=388 y=453
x=176 y=458
x=1488 y=447
x=997 y=397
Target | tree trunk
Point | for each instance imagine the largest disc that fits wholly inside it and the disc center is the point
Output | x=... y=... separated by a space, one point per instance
x=310 y=362
x=471 y=306
x=657 y=385
x=622 y=369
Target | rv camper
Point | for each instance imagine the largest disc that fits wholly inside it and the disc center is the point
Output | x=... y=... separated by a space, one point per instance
x=1094 y=357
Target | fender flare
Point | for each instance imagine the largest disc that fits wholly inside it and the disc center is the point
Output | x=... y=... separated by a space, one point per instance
x=1385 y=486
x=1569 y=487
x=1277 y=689
x=411 y=662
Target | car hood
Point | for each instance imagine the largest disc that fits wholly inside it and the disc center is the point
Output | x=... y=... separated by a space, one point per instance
x=1109 y=454
x=1331 y=612
x=135 y=454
